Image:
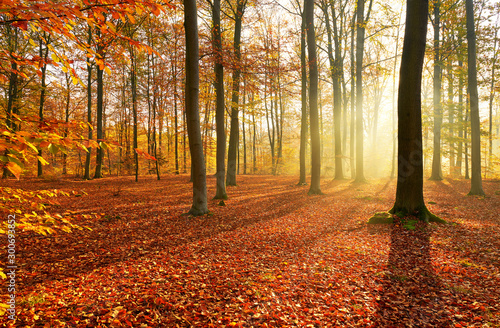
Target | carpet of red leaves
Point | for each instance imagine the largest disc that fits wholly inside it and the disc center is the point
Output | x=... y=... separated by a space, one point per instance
x=272 y=257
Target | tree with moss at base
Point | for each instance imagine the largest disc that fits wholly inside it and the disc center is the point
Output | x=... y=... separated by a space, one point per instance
x=409 y=192
x=198 y=171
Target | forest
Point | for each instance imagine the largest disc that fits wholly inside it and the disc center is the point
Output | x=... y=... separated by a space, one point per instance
x=249 y=163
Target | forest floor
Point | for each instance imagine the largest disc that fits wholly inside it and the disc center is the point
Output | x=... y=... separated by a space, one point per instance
x=272 y=257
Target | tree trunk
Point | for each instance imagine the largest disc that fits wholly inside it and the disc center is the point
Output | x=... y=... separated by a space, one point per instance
x=313 y=99
x=476 y=179
x=220 y=192
x=492 y=97
x=335 y=71
x=198 y=171
x=360 y=41
x=100 y=98
x=86 y=175
x=235 y=129
x=43 y=55
x=352 y=140
x=460 y=114
x=133 y=87
x=409 y=192
x=303 y=97
x=436 y=173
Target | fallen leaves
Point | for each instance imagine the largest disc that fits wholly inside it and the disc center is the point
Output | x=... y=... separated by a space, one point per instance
x=271 y=257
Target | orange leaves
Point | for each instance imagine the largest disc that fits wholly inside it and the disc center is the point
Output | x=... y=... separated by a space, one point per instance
x=144 y=264
x=145 y=154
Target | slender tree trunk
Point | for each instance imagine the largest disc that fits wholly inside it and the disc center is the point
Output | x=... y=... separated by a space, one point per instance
x=198 y=171
x=394 y=119
x=352 y=140
x=466 y=125
x=133 y=86
x=313 y=99
x=360 y=40
x=492 y=97
x=66 y=120
x=220 y=192
x=303 y=98
x=235 y=129
x=451 y=119
x=460 y=118
x=89 y=112
x=476 y=179
x=436 y=173
x=100 y=102
x=335 y=76
x=254 y=143
x=43 y=86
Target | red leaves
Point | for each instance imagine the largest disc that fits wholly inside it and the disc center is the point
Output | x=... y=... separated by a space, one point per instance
x=272 y=257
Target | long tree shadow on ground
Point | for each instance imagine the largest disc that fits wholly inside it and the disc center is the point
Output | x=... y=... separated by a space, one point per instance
x=411 y=294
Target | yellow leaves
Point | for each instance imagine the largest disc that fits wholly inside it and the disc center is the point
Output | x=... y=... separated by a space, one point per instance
x=42 y=160
x=54 y=57
x=3 y=306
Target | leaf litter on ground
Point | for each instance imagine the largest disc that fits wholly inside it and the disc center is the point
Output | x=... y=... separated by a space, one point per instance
x=272 y=257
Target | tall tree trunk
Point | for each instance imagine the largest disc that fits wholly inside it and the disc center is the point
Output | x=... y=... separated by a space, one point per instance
x=337 y=97
x=409 y=192
x=198 y=171
x=360 y=40
x=254 y=142
x=66 y=120
x=451 y=118
x=243 y=130
x=466 y=125
x=176 y=124
x=492 y=97
x=394 y=119
x=460 y=118
x=43 y=86
x=335 y=76
x=100 y=102
x=133 y=89
x=352 y=140
x=220 y=192
x=313 y=99
x=86 y=175
x=235 y=129
x=303 y=98
x=436 y=173
x=476 y=179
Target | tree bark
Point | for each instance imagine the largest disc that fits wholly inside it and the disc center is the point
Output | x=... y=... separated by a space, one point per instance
x=360 y=40
x=100 y=102
x=409 y=192
x=436 y=173
x=86 y=175
x=43 y=86
x=235 y=129
x=313 y=99
x=198 y=171
x=476 y=179
x=220 y=192
x=303 y=98
x=133 y=86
